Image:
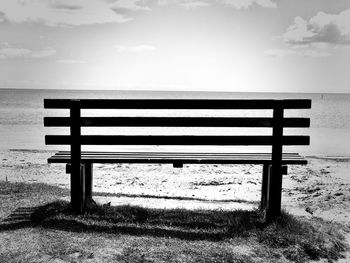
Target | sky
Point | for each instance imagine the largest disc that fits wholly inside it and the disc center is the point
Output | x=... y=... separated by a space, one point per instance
x=195 y=45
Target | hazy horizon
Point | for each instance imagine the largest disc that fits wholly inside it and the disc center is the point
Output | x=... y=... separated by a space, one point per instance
x=170 y=91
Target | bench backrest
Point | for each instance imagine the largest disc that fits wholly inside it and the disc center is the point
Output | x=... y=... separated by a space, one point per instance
x=277 y=122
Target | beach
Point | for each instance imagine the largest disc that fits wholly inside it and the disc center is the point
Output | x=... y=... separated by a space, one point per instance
x=318 y=190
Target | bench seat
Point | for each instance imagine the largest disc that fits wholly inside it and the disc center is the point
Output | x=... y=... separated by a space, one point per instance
x=178 y=158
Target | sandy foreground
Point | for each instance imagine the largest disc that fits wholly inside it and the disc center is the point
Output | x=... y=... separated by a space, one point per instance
x=319 y=189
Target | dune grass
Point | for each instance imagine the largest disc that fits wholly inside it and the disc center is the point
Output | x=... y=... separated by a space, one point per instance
x=136 y=234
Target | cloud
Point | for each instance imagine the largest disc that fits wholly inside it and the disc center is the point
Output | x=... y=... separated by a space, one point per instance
x=13 y=53
x=71 y=61
x=296 y=52
x=193 y=5
x=244 y=4
x=129 y=5
x=237 y=4
x=135 y=49
x=68 y=5
x=323 y=28
x=60 y=13
x=43 y=53
x=2 y=16
x=88 y=12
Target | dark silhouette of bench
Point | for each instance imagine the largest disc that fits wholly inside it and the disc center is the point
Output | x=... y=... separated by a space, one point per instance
x=80 y=164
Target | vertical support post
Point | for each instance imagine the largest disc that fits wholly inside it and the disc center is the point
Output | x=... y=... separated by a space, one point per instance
x=75 y=150
x=82 y=184
x=265 y=177
x=88 y=181
x=273 y=209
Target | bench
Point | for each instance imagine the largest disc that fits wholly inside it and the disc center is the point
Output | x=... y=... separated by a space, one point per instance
x=80 y=163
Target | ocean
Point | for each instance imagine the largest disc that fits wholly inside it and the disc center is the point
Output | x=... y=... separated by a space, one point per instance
x=22 y=112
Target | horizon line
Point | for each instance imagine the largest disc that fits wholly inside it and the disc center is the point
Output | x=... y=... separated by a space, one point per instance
x=186 y=91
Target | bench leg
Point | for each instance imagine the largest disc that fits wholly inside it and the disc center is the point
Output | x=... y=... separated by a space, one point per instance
x=265 y=177
x=274 y=195
x=77 y=179
x=88 y=181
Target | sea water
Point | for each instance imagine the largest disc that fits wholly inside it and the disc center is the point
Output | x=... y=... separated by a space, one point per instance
x=22 y=112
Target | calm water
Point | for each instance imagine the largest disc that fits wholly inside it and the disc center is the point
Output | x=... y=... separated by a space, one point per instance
x=21 y=117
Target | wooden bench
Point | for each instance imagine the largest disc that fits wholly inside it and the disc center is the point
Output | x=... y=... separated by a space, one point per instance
x=80 y=163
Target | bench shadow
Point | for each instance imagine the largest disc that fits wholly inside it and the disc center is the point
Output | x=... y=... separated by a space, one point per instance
x=20 y=218
x=133 y=220
x=179 y=198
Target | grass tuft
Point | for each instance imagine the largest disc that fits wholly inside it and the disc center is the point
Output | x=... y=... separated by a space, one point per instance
x=300 y=239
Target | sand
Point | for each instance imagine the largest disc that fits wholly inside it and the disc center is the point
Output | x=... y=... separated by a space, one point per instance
x=319 y=189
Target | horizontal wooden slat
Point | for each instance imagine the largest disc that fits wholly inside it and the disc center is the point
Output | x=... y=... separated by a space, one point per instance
x=296 y=104
x=296 y=122
x=184 y=161
x=289 y=155
x=170 y=157
x=174 y=140
x=162 y=156
x=179 y=104
x=175 y=122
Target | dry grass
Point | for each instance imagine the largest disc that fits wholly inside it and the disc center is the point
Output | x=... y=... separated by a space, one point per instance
x=133 y=234
x=15 y=195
